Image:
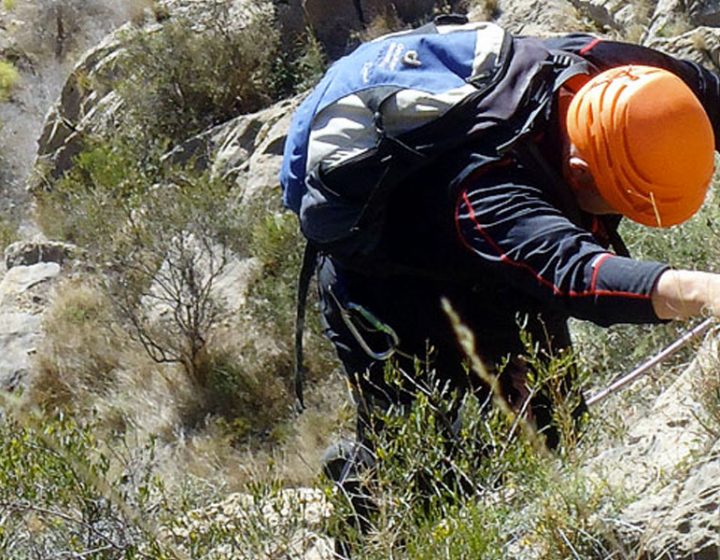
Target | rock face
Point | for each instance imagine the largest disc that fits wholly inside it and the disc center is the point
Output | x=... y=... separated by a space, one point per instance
x=79 y=111
x=42 y=38
x=338 y=24
x=670 y=463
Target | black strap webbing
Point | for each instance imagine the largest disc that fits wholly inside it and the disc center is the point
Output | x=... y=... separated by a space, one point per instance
x=306 y=273
x=568 y=201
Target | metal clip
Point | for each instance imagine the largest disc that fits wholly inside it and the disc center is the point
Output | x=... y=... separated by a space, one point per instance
x=372 y=323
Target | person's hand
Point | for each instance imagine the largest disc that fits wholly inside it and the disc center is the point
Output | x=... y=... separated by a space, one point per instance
x=680 y=294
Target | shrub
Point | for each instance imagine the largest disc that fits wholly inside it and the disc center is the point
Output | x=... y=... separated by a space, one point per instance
x=9 y=77
x=298 y=69
x=386 y=22
x=80 y=352
x=62 y=496
x=8 y=232
x=484 y=491
x=162 y=245
x=189 y=75
x=277 y=243
x=163 y=236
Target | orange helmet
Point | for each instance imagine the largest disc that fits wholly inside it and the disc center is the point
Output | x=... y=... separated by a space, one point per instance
x=648 y=143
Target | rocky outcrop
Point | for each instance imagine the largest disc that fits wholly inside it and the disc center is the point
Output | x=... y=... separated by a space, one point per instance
x=293 y=516
x=81 y=109
x=42 y=39
x=669 y=464
x=247 y=150
x=25 y=291
x=701 y=45
x=338 y=24
x=532 y=17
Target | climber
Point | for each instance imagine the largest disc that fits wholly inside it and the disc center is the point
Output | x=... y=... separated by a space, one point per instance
x=521 y=242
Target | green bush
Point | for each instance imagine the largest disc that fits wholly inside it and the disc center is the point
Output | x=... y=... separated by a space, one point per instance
x=162 y=237
x=8 y=232
x=485 y=491
x=9 y=77
x=62 y=496
x=194 y=73
x=299 y=69
x=90 y=205
x=64 y=493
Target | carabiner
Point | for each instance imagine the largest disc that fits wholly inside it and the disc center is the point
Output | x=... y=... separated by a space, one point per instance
x=374 y=323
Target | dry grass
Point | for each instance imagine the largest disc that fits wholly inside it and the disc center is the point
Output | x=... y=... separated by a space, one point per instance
x=484 y=10
x=241 y=427
x=80 y=352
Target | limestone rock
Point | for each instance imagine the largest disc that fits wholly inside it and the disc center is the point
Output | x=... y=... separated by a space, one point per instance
x=42 y=38
x=666 y=465
x=26 y=253
x=19 y=333
x=701 y=45
x=80 y=110
x=294 y=516
x=610 y=14
x=247 y=149
x=669 y=18
x=20 y=279
x=683 y=517
x=337 y=24
x=89 y=105
x=21 y=309
x=535 y=17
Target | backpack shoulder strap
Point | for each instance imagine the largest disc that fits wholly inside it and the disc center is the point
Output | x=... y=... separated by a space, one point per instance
x=307 y=270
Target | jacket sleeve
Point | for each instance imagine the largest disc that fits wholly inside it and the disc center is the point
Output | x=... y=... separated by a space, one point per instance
x=606 y=54
x=526 y=242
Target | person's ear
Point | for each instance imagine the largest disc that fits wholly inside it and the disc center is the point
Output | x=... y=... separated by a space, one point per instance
x=580 y=172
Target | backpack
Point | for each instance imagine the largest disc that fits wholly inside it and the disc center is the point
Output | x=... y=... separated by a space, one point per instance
x=399 y=103
x=393 y=107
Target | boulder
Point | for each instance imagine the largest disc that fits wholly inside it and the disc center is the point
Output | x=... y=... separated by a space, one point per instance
x=248 y=149
x=23 y=299
x=85 y=105
x=19 y=334
x=26 y=291
x=27 y=253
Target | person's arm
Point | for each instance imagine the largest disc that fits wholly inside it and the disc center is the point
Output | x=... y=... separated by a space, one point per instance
x=680 y=294
x=517 y=234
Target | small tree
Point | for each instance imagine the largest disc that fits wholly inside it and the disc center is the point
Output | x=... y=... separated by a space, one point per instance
x=164 y=236
x=165 y=265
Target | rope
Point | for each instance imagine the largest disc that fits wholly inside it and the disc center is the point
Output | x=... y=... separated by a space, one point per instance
x=652 y=362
